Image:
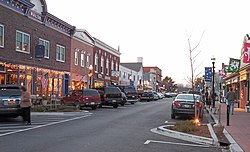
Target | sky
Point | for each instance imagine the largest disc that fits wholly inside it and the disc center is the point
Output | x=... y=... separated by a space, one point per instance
x=158 y=30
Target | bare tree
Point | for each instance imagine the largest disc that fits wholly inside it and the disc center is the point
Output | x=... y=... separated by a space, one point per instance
x=193 y=54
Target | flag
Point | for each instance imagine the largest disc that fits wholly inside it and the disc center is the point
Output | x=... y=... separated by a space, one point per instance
x=246 y=53
x=45 y=80
x=222 y=73
x=208 y=74
x=234 y=65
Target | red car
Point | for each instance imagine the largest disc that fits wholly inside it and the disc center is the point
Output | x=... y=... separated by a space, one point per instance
x=82 y=98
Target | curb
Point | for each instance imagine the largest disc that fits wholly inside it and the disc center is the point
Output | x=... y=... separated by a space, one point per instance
x=234 y=147
x=183 y=136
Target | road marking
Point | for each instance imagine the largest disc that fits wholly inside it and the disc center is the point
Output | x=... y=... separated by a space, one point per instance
x=41 y=126
x=174 y=143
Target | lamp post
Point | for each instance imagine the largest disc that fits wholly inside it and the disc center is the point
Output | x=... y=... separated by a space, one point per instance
x=213 y=95
x=90 y=75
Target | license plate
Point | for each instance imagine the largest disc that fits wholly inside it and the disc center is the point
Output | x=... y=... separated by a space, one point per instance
x=9 y=102
x=92 y=103
x=186 y=106
x=113 y=100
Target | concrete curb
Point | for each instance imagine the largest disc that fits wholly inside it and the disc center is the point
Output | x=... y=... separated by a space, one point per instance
x=234 y=147
x=183 y=136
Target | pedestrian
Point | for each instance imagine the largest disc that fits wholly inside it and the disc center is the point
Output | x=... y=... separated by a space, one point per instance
x=231 y=97
x=25 y=105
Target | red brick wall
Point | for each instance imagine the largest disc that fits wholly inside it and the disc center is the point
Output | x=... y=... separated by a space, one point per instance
x=13 y=21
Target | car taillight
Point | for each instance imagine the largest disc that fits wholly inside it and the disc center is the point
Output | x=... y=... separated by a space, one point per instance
x=176 y=104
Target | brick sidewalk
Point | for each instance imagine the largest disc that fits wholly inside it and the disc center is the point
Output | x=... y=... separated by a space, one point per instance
x=239 y=125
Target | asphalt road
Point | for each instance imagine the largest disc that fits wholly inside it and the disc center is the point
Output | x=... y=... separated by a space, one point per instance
x=125 y=129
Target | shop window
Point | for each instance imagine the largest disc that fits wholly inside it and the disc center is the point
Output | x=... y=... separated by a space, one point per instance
x=46 y=45
x=1 y=35
x=60 y=53
x=22 y=42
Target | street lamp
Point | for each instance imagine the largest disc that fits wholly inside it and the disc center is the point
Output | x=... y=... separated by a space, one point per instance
x=90 y=75
x=213 y=95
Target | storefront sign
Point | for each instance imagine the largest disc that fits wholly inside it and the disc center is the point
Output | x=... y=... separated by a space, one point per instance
x=243 y=77
x=99 y=76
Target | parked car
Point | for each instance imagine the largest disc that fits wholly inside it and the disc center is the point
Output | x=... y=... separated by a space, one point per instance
x=161 y=96
x=147 y=95
x=130 y=92
x=10 y=99
x=184 y=104
x=156 y=96
x=124 y=99
x=139 y=93
x=82 y=98
x=110 y=95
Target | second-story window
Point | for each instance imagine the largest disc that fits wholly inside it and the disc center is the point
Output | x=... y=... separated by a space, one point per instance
x=22 y=42
x=82 y=59
x=112 y=65
x=76 y=56
x=116 y=66
x=1 y=35
x=46 y=45
x=60 y=53
x=102 y=65
x=96 y=62
x=88 y=60
x=107 y=67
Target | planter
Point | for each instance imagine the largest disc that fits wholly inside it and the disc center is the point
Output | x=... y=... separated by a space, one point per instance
x=247 y=108
x=44 y=102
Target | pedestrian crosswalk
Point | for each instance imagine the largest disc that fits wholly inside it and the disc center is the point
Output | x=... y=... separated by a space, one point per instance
x=38 y=120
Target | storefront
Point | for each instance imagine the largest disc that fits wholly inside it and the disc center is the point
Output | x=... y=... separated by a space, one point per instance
x=39 y=81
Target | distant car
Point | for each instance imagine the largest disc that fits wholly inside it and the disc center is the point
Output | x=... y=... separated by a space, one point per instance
x=110 y=96
x=147 y=95
x=130 y=92
x=124 y=99
x=184 y=104
x=10 y=99
x=161 y=96
x=156 y=96
x=82 y=98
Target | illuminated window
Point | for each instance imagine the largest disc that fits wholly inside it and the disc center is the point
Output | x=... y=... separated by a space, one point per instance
x=22 y=42
x=46 y=44
x=82 y=59
x=60 y=53
x=96 y=62
x=1 y=35
x=76 y=56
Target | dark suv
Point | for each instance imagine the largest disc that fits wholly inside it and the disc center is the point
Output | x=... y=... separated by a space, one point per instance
x=82 y=98
x=130 y=92
x=147 y=95
x=110 y=95
x=10 y=98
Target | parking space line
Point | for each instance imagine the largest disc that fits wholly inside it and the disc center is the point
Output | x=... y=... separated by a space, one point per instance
x=45 y=125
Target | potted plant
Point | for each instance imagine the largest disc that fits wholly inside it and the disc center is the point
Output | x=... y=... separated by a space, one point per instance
x=44 y=100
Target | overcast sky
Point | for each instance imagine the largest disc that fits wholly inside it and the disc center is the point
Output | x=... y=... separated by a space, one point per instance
x=157 y=30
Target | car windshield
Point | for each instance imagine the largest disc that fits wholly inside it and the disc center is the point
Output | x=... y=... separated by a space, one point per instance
x=129 y=89
x=10 y=91
x=89 y=93
x=186 y=97
x=112 y=90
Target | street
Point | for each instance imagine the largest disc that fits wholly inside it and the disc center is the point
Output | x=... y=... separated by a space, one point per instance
x=125 y=129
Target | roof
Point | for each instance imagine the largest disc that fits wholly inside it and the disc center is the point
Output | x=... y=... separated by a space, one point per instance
x=133 y=66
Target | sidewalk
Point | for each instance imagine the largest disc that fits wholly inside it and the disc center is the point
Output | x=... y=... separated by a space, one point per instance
x=239 y=126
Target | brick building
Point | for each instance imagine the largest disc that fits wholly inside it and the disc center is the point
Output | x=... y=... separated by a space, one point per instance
x=24 y=27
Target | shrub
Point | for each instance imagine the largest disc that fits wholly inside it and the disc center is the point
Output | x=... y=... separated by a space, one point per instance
x=59 y=108
x=184 y=126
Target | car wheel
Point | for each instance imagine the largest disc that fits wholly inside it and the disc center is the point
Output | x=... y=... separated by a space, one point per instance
x=122 y=103
x=172 y=116
x=77 y=104
x=93 y=107
x=115 y=105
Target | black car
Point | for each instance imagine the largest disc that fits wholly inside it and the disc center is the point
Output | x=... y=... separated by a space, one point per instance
x=124 y=99
x=147 y=95
x=110 y=95
x=130 y=92
x=184 y=104
x=10 y=99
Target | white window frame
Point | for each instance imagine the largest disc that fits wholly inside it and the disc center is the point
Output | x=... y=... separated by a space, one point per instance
x=61 y=58
x=76 y=56
x=102 y=64
x=47 y=48
x=88 y=61
x=116 y=66
x=2 y=43
x=112 y=65
x=22 y=42
x=82 y=59
x=96 y=62
x=107 y=67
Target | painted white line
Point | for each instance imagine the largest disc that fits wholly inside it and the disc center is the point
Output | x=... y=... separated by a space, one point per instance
x=174 y=143
x=45 y=125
